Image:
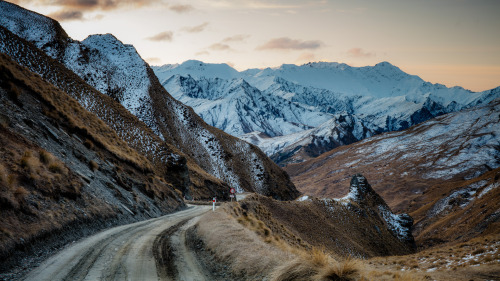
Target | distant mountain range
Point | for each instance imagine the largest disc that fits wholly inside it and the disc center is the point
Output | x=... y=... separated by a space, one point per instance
x=295 y=112
x=445 y=172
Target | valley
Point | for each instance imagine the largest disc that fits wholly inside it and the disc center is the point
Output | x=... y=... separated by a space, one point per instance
x=320 y=171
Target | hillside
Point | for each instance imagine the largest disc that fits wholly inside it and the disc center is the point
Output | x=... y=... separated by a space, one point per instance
x=307 y=239
x=302 y=107
x=443 y=172
x=64 y=173
x=166 y=131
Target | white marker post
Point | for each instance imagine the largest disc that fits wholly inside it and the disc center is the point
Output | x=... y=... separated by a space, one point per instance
x=213 y=202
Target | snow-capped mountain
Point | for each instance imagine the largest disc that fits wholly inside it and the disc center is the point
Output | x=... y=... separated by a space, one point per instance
x=216 y=160
x=286 y=101
x=444 y=171
x=238 y=108
x=342 y=129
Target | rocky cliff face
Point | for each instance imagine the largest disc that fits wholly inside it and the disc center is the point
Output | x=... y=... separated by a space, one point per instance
x=359 y=224
x=175 y=134
x=361 y=192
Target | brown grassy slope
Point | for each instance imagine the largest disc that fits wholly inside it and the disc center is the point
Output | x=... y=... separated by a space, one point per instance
x=253 y=249
x=477 y=259
x=63 y=172
x=166 y=159
x=404 y=182
x=342 y=229
x=460 y=217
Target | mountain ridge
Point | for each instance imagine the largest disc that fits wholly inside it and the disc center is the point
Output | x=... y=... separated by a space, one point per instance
x=299 y=98
x=123 y=78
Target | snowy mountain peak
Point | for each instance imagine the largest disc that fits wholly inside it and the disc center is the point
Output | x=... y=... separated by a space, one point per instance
x=196 y=69
x=386 y=64
x=104 y=38
x=323 y=65
x=299 y=100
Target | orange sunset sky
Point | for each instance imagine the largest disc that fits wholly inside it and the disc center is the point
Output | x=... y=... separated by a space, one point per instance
x=452 y=42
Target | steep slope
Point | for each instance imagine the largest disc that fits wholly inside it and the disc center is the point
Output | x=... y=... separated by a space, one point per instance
x=359 y=224
x=118 y=71
x=64 y=173
x=306 y=239
x=238 y=108
x=434 y=170
x=382 y=97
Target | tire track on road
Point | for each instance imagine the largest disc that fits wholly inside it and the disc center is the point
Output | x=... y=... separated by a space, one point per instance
x=122 y=253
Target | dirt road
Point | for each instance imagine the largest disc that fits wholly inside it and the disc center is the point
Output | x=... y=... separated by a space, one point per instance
x=149 y=250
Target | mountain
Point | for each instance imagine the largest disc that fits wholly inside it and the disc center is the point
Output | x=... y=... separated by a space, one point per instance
x=64 y=173
x=166 y=130
x=444 y=172
x=342 y=129
x=282 y=102
x=237 y=108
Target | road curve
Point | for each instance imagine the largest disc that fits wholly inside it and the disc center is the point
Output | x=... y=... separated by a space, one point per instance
x=120 y=253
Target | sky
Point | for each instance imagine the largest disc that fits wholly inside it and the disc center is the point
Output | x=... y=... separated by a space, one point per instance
x=451 y=42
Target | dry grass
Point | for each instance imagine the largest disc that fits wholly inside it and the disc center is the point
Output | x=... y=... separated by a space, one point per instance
x=28 y=162
x=4 y=175
x=20 y=193
x=256 y=252
x=93 y=165
x=45 y=157
x=472 y=260
x=234 y=245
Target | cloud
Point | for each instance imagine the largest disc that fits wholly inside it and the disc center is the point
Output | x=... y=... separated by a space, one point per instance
x=181 y=8
x=162 y=36
x=306 y=57
x=153 y=60
x=65 y=15
x=359 y=53
x=290 y=44
x=253 y=4
x=235 y=38
x=196 y=29
x=219 y=47
x=201 y=53
x=90 y=5
x=75 y=9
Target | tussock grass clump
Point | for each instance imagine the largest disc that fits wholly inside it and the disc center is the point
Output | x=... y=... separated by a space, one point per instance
x=20 y=193
x=93 y=165
x=317 y=265
x=4 y=175
x=88 y=144
x=45 y=157
x=28 y=162
x=56 y=167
